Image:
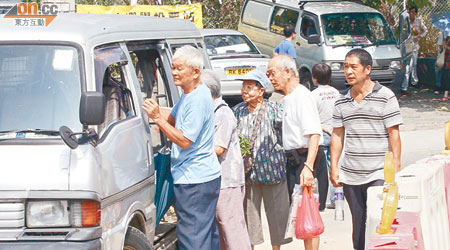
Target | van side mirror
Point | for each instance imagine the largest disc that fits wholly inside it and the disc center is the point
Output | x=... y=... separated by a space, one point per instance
x=313 y=39
x=92 y=108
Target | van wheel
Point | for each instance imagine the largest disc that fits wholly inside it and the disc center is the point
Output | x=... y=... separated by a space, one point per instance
x=136 y=240
x=306 y=80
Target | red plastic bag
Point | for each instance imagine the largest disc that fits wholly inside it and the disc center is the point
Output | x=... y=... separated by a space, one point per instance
x=309 y=222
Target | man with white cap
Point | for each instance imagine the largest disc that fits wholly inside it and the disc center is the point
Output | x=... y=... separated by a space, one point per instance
x=266 y=177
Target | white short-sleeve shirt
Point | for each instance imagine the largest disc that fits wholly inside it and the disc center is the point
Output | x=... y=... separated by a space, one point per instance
x=325 y=97
x=300 y=119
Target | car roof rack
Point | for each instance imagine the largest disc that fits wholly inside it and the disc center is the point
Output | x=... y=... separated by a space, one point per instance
x=301 y=3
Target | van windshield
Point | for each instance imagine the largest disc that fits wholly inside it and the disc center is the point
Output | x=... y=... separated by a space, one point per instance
x=229 y=44
x=364 y=29
x=39 y=88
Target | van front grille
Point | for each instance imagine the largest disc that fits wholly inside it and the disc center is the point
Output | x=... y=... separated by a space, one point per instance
x=12 y=215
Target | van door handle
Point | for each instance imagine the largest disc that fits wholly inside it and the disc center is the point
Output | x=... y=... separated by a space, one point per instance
x=298 y=43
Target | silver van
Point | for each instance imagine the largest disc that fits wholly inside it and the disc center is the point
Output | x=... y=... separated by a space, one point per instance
x=92 y=188
x=326 y=31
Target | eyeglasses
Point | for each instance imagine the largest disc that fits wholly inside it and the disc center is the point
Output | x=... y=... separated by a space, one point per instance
x=270 y=73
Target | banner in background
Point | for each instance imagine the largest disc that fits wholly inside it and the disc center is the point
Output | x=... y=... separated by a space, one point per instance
x=192 y=12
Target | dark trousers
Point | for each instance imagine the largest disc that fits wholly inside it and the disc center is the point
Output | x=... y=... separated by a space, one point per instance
x=295 y=167
x=195 y=205
x=356 y=196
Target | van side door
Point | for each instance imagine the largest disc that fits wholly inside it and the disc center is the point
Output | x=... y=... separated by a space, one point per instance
x=122 y=137
x=153 y=71
x=405 y=41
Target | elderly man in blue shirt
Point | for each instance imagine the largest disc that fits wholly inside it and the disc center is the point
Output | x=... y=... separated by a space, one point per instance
x=195 y=168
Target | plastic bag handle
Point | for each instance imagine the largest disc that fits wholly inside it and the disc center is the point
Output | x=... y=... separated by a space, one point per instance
x=308 y=190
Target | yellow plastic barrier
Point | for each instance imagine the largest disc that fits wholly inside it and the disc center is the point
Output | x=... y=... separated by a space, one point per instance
x=390 y=196
x=447 y=139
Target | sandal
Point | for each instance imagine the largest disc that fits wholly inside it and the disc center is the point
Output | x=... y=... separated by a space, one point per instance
x=443 y=99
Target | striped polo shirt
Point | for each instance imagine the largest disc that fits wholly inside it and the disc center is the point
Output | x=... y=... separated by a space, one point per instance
x=366 y=135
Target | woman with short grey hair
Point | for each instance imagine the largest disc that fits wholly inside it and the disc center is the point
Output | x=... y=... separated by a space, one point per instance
x=210 y=79
x=230 y=209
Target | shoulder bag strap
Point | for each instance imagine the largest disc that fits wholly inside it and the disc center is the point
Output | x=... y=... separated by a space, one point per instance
x=218 y=107
x=257 y=124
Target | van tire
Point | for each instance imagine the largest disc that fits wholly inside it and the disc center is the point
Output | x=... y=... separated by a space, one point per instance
x=136 y=240
x=306 y=79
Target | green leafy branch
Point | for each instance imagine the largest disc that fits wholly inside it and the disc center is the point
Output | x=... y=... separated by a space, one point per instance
x=244 y=142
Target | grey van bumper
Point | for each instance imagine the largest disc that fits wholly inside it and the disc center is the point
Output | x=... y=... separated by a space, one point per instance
x=389 y=78
x=52 y=245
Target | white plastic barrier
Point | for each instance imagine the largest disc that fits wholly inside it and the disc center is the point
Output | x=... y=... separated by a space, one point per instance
x=445 y=160
x=421 y=189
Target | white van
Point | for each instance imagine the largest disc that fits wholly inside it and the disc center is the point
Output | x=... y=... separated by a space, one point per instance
x=93 y=188
x=326 y=31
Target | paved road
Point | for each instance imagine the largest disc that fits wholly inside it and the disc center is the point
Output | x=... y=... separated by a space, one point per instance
x=422 y=135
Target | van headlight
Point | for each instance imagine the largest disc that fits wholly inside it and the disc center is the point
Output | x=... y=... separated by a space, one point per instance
x=335 y=66
x=47 y=214
x=62 y=213
x=396 y=65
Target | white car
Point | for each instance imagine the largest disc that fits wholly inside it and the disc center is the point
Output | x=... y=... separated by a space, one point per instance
x=232 y=54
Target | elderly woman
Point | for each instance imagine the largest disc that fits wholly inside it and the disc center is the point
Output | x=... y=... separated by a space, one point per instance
x=230 y=211
x=266 y=179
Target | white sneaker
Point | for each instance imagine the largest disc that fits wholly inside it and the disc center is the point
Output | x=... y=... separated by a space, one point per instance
x=436 y=92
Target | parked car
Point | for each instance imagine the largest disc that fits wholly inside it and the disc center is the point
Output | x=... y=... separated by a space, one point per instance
x=232 y=54
x=92 y=188
x=326 y=31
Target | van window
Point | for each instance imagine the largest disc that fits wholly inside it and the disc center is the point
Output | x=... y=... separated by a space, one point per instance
x=256 y=14
x=308 y=27
x=356 y=28
x=114 y=85
x=176 y=46
x=153 y=83
x=282 y=17
x=40 y=87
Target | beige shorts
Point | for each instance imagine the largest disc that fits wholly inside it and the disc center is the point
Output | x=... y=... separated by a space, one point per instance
x=276 y=205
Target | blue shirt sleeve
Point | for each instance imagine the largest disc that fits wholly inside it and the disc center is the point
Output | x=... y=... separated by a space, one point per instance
x=277 y=49
x=175 y=108
x=292 y=52
x=193 y=119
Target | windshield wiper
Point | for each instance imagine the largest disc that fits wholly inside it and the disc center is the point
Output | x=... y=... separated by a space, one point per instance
x=369 y=45
x=345 y=44
x=36 y=131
